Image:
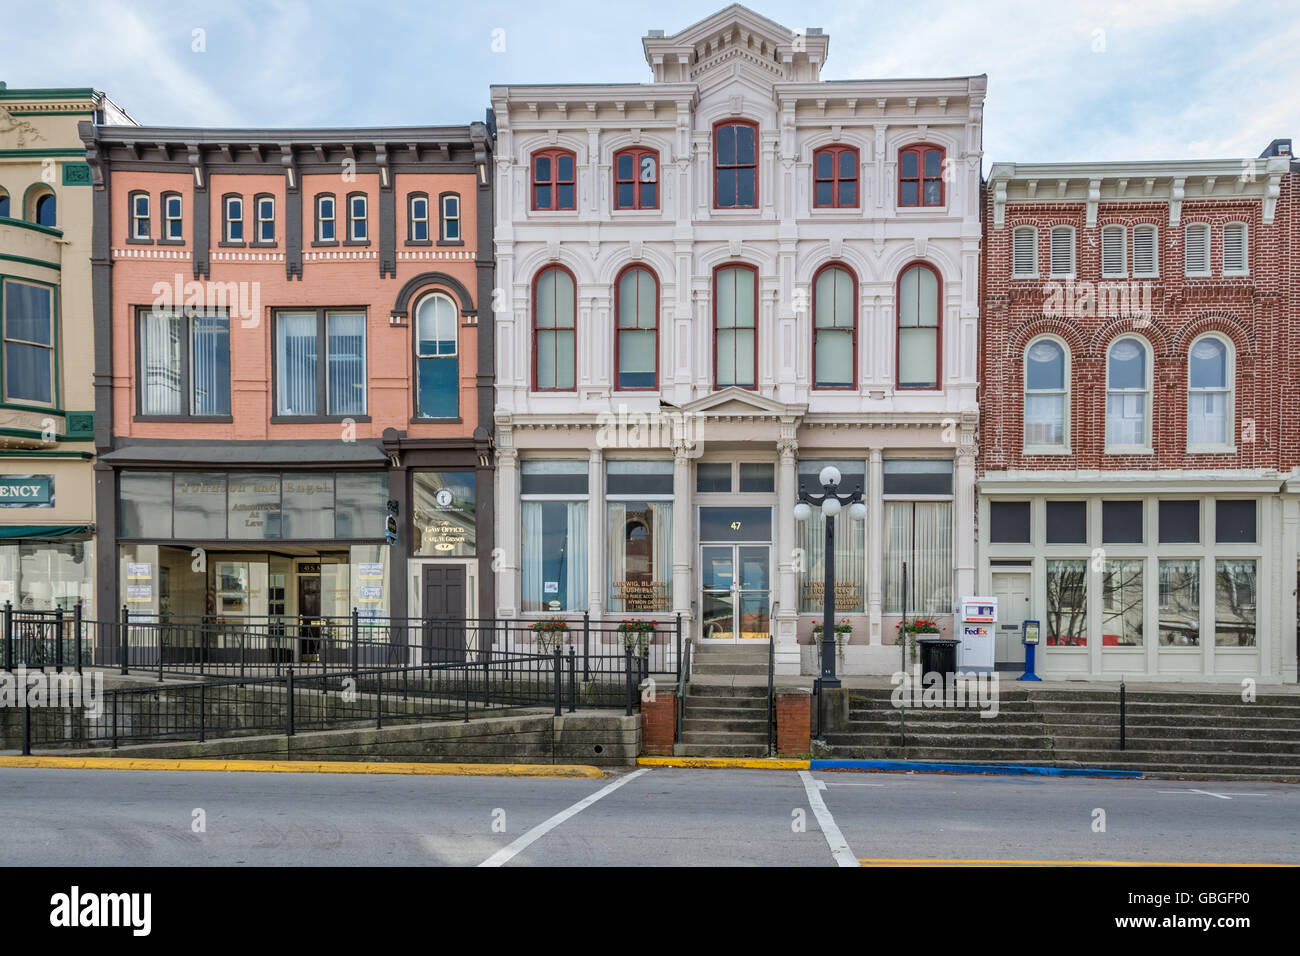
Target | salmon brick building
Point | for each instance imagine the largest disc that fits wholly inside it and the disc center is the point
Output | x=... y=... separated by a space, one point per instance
x=290 y=348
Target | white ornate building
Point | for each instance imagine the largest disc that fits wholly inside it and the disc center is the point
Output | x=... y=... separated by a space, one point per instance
x=709 y=285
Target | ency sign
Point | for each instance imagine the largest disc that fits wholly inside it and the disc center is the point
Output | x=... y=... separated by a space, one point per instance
x=26 y=491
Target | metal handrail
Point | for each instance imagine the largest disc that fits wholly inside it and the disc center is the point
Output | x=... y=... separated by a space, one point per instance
x=683 y=675
x=771 y=674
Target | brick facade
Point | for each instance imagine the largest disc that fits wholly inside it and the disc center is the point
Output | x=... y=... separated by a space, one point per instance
x=793 y=722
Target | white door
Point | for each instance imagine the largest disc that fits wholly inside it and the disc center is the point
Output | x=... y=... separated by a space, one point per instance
x=1012 y=592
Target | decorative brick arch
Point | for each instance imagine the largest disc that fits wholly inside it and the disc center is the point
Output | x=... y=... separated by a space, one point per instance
x=426 y=279
x=1227 y=324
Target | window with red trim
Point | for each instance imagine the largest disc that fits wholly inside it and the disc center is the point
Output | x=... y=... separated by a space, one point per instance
x=918 y=328
x=735 y=165
x=554 y=179
x=636 y=179
x=735 y=326
x=636 y=347
x=835 y=328
x=835 y=178
x=555 y=363
x=920 y=176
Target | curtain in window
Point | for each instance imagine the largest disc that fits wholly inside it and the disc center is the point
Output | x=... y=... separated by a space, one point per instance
x=297 y=358
x=162 y=363
x=532 y=569
x=920 y=533
x=347 y=363
x=577 y=551
x=210 y=366
x=616 y=545
x=662 y=546
x=898 y=549
x=850 y=563
x=438 y=365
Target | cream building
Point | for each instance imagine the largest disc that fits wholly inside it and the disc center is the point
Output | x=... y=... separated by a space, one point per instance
x=713 y=283
x=47 y=421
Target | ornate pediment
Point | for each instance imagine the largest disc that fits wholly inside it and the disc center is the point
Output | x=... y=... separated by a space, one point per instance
x=734 y=402
x=735 y=36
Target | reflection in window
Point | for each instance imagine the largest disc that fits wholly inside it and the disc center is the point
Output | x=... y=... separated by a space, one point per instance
x=640 y=556
x=555 y=555
x=1121 y=604
x=1067 y=603
x=1180 y=603
x=1234 y=603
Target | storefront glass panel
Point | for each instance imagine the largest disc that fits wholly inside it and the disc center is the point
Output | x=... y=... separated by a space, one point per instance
x=640 y=547
x=1180 y=603
x=38 y=575
x=444 y=514
x=1121 y=604
x=1067 y=603
x=1234 y=603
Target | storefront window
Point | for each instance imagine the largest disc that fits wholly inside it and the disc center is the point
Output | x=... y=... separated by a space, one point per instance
x=1067 y=603
x=47 y=575
x=1234 y=603
x=850 y=544
x=919 y=533
x=1180 y=603
x=639 y=540
x=555 y=555
x=1121 y=604
x=443 y=512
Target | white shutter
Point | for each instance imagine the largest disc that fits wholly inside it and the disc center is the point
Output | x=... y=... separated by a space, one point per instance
x=1112 y=251
x=1062 y=251
x=1196 y=250
x=1144 y=251
x=1234 y=249
x=1024 y=251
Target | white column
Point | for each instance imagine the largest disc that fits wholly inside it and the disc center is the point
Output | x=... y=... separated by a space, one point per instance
x=787 y=616
x=507 y=532
x=596 y=559
x=963 y=532
x=875 y=526
x=683 y=539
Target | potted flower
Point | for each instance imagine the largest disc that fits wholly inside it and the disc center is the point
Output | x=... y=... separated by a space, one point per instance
x=913 y=627
x=636 y=635
x=550 y=634
x=842 y=630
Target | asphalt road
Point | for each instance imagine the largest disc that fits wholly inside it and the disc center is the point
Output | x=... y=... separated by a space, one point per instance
x=643 y=818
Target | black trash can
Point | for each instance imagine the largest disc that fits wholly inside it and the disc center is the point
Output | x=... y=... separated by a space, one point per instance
x=938 y=654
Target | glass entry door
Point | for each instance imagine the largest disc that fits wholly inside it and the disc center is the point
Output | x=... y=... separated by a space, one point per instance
x=735 y=592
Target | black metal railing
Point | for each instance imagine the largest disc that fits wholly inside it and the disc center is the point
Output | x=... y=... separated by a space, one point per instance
x=56 y=639
x=294 y=702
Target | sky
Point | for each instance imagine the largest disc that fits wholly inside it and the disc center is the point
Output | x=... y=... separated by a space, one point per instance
x=1084 y=81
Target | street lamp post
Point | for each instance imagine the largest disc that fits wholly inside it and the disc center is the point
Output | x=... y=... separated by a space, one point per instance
x=830 y=501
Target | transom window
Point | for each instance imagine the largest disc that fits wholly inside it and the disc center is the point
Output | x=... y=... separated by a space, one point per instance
x=920 y=176
x=1209 y=393
x=835 y=328
x=637 y=348
x=554 y=179
x=918 y=328
x=305 y=386
x=437 y=358
x=1128 y=387
x=735 y=326
x=735 y=159
x=835 y=177
x=636 y=179
x=554 y=331
x=1046 y=395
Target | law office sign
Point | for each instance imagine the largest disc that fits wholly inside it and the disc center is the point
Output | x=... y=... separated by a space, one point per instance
x=26 y=491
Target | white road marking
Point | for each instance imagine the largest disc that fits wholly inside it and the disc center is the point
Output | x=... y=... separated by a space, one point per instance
x=1221 y=796
x=840 y=851
x=506 y=854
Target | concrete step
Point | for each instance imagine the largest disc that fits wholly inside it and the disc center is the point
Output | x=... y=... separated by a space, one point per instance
x=739 y=691
x=727 y=724
x=722 y=738
x=1181 y=758
x=710 y=668
x=719 y=750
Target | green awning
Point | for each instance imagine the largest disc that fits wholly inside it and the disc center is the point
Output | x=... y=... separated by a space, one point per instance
x=42 y=530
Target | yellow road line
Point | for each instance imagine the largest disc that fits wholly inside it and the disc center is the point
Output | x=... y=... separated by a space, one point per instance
x=724 y=763
x=307 y=766
x=882 y=861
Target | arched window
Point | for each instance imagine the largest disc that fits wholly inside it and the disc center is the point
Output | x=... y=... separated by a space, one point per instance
x=555 y=326
x=554 y=174
x=233 y=217
x=735 y=165
x=735 y=326
x=264 y=209
x=636 y=179
x=1128 y=388
x=636 y=349
x=835 y=177
x=437 y=358
x=920 y=176
x=1209 y=393
x=1047 y=395
x=4 y=203
x=835 y=328
x=918 y=328
x=41 y=206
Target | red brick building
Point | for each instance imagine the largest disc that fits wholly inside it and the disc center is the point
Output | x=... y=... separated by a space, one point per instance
x=1139 y=334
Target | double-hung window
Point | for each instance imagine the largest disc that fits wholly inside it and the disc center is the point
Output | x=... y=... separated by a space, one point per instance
x=918 y=328
x=451 y=217
x=554 y=516
x=636 y=179
x=437 y=358
x=184 y=363
x=555 y=367
x=1046 y=396
x=326 y=216
x=735 y=326
x=920 y=176
x=637 y=346
x=1209 y=394
x=357 y=226
x=418 y=218
x=234 y=216
x=173 y=224
x=264 y=206
x=554 y=179
x=308 y=387
x=28 y=342
x=735 y=154
x=835 y=328
x=835 y=178
x=1128 y=392
x=140 y=216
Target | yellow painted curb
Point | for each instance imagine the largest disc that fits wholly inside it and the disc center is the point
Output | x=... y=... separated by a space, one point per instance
x=307 y=766
x=725 y=763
